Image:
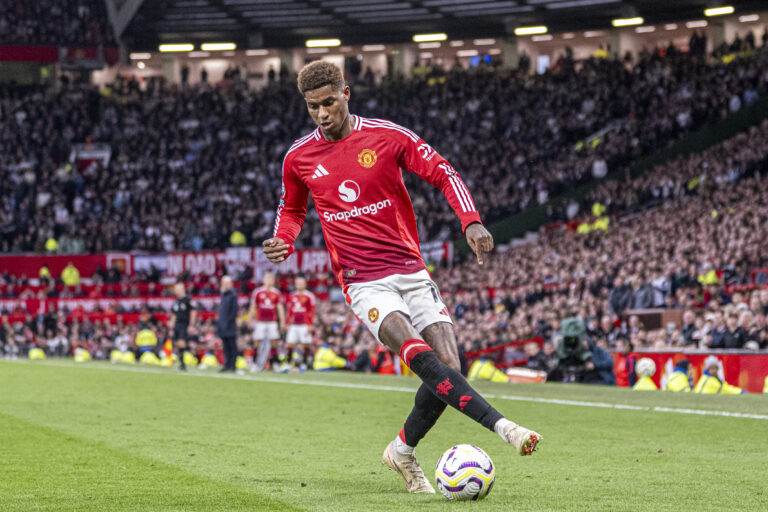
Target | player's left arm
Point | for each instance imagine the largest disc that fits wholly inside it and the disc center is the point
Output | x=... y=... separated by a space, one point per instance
x=420 y=158
x=192 y=317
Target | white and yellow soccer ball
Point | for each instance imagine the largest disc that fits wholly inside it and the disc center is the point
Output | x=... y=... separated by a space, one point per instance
x=465 y=472
x=645 y=367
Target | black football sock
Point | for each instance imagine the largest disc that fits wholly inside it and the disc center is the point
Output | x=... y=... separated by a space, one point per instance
x=447 y=384
x=427 y=408
x=180 y=353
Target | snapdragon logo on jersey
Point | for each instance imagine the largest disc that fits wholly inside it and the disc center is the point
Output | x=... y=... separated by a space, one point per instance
x=349 y=192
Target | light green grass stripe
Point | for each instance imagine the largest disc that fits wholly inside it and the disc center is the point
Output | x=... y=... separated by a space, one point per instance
x=405 y=389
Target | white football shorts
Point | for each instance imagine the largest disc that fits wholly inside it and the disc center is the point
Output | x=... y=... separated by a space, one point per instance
x=298 y=334
x=265 y=331
x=415 y=295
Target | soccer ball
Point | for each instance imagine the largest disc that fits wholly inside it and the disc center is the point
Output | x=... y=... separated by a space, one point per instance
x=465 y=472
x=645 y=367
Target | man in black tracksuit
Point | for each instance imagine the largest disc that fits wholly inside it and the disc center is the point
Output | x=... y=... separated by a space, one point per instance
x=226 y=324
x=183 y=316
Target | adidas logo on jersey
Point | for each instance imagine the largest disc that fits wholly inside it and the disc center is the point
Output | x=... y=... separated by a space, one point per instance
x=320 y=171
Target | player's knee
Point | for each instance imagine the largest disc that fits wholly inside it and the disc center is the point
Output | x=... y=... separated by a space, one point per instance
x=451 y=360
x=396 y=329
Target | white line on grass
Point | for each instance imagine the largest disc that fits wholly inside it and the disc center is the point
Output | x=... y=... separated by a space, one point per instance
x=404 y=389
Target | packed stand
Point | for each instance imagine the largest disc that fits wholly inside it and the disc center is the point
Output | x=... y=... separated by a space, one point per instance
x=686 y=235
x=517 y=139
x=687 y=239
x=55 y=22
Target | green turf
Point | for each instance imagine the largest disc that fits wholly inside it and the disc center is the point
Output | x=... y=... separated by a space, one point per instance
x=98 y=437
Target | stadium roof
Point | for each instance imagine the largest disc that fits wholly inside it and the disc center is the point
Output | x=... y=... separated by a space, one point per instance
x=288 y=23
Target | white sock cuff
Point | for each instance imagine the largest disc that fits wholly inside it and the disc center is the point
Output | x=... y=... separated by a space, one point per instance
x=403 y=448
x=501 y=425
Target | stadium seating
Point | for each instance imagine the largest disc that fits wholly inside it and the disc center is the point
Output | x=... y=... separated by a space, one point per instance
x=689 y=231
x=55 y=22
x=514 y=146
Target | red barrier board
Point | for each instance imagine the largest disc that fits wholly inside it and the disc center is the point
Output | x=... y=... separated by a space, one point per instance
x=42 y=54
x=112 y=318
x=201 y=263
x=496 y=354
x=744 y=369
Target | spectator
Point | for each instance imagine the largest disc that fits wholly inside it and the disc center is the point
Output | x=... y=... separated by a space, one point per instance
x=599 y=367
x=734 y=336
x=644 y=295
x=687 y=332
x=537 y=359
x=620 y=297
x=70 y=276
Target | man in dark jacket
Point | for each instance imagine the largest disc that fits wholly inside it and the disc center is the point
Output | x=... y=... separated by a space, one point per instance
x=599 y=367
x=644 y=296
x=620 y=297
x=226 y=324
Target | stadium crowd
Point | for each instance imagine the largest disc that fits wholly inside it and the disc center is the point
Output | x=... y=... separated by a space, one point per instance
x=690 y=235
x=688 y=232
x=518 y=140
x=55 y=22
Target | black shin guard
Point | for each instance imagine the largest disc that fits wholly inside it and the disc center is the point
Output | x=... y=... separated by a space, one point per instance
x=448 y=385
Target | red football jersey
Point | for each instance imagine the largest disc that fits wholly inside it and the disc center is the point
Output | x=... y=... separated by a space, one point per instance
x=301 y=308
x=357 y=187
x=266 y=301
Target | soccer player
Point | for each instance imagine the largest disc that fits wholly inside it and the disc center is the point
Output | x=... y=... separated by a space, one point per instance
x=351 y=166
x=300 y=306
x=182 y=316
x=267 y=308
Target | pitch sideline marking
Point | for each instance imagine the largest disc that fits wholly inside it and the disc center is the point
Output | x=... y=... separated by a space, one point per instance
x=403 y=389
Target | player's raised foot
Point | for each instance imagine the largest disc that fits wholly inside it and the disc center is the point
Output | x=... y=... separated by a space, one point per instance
x=525 y=441
x=408 y=467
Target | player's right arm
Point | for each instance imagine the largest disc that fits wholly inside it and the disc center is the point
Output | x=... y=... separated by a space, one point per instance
x=290 y=214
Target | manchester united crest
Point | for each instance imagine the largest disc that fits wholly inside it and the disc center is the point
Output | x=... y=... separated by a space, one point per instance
x=373 y=314
x=367 y=158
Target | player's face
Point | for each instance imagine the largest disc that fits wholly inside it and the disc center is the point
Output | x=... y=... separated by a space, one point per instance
x=301 y=284
x=269 y=280
x=179 y=290
x=329 y=109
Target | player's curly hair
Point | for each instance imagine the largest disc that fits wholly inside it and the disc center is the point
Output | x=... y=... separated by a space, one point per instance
x=318 y=74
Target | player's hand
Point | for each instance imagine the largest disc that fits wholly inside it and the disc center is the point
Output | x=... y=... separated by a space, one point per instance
x=479 y=240
x=276 y=249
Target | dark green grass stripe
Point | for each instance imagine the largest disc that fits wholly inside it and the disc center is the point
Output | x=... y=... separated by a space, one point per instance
x=45 y=469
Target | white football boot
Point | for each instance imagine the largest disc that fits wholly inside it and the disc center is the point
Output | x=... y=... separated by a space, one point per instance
x=408 y=467
x=521 y=438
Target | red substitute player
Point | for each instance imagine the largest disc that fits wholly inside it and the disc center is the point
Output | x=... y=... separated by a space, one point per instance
x=300 y=308
x=352 y=167
x=269 y=313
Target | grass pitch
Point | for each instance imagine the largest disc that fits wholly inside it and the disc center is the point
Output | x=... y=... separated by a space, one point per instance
x=106 y=438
